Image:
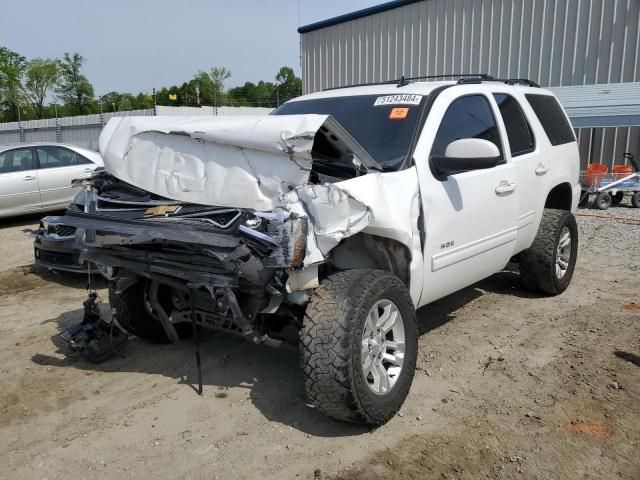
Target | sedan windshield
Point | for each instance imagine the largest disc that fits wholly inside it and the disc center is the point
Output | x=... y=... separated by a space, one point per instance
x=382 y=124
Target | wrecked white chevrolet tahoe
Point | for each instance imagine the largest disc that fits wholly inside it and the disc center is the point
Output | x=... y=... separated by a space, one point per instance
x=327 y=223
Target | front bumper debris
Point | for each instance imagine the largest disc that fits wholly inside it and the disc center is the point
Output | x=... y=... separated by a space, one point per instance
x=95 y=338
x=55 y=248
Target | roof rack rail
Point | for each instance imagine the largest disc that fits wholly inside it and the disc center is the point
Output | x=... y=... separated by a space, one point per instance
x=403 y=81
x=463 y=78
x=523 y=81
x=508 y=81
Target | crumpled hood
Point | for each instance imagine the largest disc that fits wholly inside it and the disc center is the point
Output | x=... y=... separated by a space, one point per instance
x=241 y=162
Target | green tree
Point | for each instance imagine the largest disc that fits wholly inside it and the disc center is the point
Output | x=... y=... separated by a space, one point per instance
x=205 y=85
x=288 y=84
x=41 y=74
x=144 y=101
x=261 y=95
x=218 y=76
x=119 y=102
x=74 y=90
x=12 y=68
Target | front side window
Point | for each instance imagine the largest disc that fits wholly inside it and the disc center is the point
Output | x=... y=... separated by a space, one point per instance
x=52 y=157
x=518 y=130
x=466 y=117
x=16 y=160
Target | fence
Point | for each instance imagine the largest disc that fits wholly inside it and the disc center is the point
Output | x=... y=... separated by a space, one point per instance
x=84 y=130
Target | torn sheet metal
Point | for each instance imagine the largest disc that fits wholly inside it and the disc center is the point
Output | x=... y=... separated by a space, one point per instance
x=240 y=162
x=333 y=214
x=383 y=204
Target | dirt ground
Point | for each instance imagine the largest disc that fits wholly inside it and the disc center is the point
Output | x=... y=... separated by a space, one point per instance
x=510 y=385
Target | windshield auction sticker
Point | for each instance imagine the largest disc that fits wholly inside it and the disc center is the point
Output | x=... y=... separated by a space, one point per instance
x=398 y=100
x=398 y=113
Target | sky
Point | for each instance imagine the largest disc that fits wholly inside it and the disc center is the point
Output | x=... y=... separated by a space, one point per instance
x=136 y=45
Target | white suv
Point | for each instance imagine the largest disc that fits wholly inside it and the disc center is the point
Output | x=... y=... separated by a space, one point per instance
x=328 y=223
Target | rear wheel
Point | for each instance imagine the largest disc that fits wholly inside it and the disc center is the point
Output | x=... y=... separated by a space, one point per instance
x=132 y=310
x=359 y=346
x=549 y=263
x=635 y=199
x=603 y=201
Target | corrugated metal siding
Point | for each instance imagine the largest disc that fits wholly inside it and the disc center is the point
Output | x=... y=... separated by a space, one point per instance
x=552 y=42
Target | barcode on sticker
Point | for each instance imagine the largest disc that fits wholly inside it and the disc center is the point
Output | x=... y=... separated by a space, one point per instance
x=398 y=100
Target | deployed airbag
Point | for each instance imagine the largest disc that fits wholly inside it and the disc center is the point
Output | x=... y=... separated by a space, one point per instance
x=241 y=162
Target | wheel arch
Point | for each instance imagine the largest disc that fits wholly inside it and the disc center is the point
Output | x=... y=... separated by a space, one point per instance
x=560 y=197
x=365 y=250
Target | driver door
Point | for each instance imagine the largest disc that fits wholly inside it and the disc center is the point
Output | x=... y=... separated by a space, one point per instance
x=470 y=217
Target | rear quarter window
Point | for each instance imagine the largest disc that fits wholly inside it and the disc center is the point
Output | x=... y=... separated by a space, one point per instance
x=553 y=120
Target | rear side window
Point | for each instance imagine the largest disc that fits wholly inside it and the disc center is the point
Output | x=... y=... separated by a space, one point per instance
x=17 y=160
x=552 y=118
x=52 y=157
x=518 y=130
x=466 y=117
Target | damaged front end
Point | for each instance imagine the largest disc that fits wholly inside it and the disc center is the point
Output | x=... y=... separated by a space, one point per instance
x=229 y=262
x=221 y=261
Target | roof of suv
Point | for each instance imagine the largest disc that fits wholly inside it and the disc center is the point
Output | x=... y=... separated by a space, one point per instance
x=412 y=88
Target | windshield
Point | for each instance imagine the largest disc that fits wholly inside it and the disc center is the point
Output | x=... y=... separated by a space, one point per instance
x=382 y=124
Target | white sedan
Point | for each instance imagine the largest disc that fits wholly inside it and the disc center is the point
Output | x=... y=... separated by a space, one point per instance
x=36 y=177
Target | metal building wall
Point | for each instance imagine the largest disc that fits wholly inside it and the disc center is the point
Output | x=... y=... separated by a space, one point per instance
x=552 y=42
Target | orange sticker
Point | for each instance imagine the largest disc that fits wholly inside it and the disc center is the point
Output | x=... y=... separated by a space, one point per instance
x=398 y=113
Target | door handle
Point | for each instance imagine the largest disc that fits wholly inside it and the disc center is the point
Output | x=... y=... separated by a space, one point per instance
x=505 y=187
x=88 y=169
x=541 y=169
x=29 y=177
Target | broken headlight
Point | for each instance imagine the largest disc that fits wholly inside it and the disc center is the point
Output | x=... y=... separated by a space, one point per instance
x=253 y=222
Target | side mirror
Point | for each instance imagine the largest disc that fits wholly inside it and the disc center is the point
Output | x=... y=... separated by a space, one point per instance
x=465 y=155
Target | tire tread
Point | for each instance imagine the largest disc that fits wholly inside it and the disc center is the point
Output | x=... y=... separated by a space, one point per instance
x=327 y=349
x=537 y=263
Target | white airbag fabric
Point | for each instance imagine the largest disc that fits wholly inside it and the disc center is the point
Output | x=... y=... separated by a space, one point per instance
x=242 y=162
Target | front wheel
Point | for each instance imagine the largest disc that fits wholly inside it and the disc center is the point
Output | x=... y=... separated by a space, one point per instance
x=359 y=346
x=548 y=265
x=132 y=310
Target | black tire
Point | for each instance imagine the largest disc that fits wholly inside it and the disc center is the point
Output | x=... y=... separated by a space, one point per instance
x=635 y=199
x=538 y=262
x=603 y=201
x=617 y=198
x=331 y=339
x=129 y=309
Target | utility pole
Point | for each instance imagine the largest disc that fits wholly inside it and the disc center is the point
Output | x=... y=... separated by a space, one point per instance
x=101 y=113
x=58 y=132
x=21 y=130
